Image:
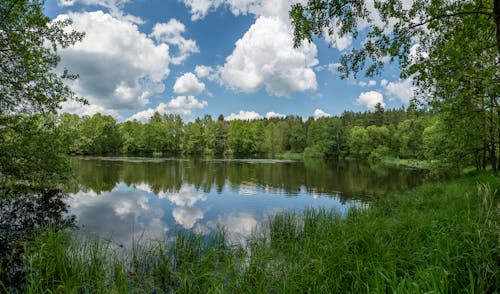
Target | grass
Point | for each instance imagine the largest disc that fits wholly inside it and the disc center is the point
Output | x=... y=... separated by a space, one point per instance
x=289 y=155
x=413 y=163
x=437 y=238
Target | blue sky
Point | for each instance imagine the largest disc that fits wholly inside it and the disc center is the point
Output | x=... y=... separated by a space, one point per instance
x=197 y=57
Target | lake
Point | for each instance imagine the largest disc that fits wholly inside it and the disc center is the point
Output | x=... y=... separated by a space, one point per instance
x=126 y=199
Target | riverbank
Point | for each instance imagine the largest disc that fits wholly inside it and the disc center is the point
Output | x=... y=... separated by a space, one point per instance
x=412 y=163
x=387 y=160
x=439 y=237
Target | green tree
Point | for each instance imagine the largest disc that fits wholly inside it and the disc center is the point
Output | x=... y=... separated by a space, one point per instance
x=276 y=137
x=222 y=131
x=33 y=163
x=454 y=63
x=379 y=141
x=132 y=134
x=29 y=84
x=99 y=135
x=209 y=134
x=194 y=142
x=28 y=49
x=33 y=152
x=297 y=134
x=68 y=125
x=409 y=137
x=358 y=142
x=426 y=21
x=245 y=136
x=324 y=137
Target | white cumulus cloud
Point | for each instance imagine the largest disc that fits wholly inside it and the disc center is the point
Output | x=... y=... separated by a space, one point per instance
x=183 y=105
x=243 y=115
x=402 y=90
x=274 y=114
x=119 y=67
x=171 y=33
x=188 y=84
x=370 y=83
x=200 y=8
x=115 y=8
x=370 y=99
x=265 y=57
x=320 y=113
x=337 y=41
x=203 y=71
x=75 y=107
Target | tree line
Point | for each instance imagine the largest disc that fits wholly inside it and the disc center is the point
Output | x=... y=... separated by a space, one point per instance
x=403 y=133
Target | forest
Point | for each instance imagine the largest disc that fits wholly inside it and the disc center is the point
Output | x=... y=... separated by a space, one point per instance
x=412 y=133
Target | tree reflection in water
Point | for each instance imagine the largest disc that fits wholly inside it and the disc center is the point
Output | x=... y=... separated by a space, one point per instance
x=347 y=180
x=22 y=212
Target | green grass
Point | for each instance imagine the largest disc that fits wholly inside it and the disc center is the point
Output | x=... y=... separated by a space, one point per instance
x=437 y=238
x=289 y=155
x=413 y=163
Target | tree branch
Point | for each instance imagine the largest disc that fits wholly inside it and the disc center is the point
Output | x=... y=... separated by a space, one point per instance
x=458 y=13
x=8 y=11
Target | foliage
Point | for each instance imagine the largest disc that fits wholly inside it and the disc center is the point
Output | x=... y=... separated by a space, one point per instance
x=394 y=132
x=453 y=61
x=28 y=49
x=98 y=135
x=243 y=137
x=194 y=142
x=33 y=152
x=393 y=26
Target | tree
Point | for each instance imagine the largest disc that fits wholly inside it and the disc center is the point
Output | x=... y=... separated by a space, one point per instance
x=132 y=134
x=32 y=153
x=454 y=60
x=68 y=125
x=358 y=142
x=193 y=137
x=99 y=135
x=399 y=26
x=245 y=136
x=324 y=137
x=222 y=131
x=297 y=134
x=33 y=162
x=209 y=134
x=275 y=138
x=29 y=41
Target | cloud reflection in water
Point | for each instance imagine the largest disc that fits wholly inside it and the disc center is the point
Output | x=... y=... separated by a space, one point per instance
x=122 y=215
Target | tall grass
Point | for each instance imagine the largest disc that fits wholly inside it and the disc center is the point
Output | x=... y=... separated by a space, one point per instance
x=436 y=238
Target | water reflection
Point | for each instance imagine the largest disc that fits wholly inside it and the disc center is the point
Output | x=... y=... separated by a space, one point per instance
x=124 y=198
x=123 y=214
x=350 y=180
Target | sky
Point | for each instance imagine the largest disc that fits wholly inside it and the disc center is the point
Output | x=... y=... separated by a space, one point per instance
x=198 y=57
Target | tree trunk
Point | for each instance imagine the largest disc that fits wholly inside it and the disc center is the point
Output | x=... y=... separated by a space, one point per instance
x=498 y=132
x=484 y=156
x=496 y=16
x=493 y=157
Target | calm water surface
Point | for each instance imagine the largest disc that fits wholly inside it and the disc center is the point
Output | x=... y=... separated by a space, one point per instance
x=129 y=198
